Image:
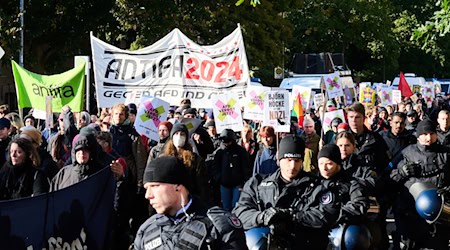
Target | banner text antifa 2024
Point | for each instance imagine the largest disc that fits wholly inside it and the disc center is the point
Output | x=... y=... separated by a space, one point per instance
x=171 y=69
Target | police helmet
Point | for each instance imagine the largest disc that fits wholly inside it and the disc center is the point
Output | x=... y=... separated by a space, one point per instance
x=350 y=237
x=428 y=203
x=257 y=237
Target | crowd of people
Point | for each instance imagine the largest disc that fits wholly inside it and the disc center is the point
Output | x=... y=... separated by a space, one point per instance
x=206 y=190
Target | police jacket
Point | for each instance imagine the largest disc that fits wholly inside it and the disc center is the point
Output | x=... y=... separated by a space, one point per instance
x=433 y=160
x=231 y=166
x=355 y=168
x=435 y=169
x=198 y=228
x=443 y=136
x=350 y=193
x=311 y=218
x=373 y=150
x=396 y=144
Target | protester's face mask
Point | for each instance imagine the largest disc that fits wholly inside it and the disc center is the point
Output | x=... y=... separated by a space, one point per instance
x=179 y=140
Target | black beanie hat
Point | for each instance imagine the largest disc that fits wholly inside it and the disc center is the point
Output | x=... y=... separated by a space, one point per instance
x=84 y=141
x=167 y=169
x=227 y=135
x=291 y=146
x=425 y=126
x=332 y=152
x=132 y=108
x=179 y=127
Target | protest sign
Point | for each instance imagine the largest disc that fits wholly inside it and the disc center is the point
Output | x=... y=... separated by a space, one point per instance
x=348 y=95
x=367 y=96
x=333 y=85
x=329 y=116
x=254 y=105
x=319 y=99
x=151 y=112
x=396 y=96
x=227 y=112
x=305 y=94
x=428 y=94
x=191 y=124
x=70 y=218
x=437 y=86
x=66 y=88
x=385 y=95
x=277 y=113
x=173 y=68
x=2 y=52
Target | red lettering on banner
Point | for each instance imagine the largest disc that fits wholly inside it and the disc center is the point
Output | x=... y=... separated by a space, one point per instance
x=219 y=76
x=208 y=69
x=190 y=73
x=207 y=64
x=235 y=70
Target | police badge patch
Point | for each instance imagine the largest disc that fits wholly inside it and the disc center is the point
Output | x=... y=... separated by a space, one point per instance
x=234 y=221
x=326 y=198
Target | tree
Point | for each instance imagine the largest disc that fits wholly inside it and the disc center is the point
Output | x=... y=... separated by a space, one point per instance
x=359 y=29
x=427 y=35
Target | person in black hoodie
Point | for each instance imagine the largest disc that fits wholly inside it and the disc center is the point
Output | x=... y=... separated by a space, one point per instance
x=230 y=168
x=19 y=176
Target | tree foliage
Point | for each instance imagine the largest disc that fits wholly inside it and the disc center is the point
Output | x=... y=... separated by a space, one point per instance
x=378 y=37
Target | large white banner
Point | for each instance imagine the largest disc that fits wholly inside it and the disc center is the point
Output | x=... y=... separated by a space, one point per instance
x=2 y=52
x=173 y=68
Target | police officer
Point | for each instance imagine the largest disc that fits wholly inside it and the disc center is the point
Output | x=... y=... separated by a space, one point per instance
x=351 y=194
x=182 y=221
x=425 y=161
x=288 y=198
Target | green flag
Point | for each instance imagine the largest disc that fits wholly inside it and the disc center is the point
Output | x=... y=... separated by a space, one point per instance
x=65 y=88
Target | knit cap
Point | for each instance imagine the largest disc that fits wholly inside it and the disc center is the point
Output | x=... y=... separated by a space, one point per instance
x=332 y=152
x=291 y=146
x=167 y=169
x=168 y=125
x=425 y=126
x=179 y=127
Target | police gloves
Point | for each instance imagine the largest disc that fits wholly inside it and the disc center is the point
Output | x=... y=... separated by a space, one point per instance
x=273 y=216
x=410 y=169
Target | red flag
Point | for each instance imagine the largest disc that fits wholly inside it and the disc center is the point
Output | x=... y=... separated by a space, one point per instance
x=404 y=87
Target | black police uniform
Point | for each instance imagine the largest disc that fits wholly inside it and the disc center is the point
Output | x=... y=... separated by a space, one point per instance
x=434 y=168
x=443 y=136
x=313 y=210
x=198 y=228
